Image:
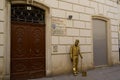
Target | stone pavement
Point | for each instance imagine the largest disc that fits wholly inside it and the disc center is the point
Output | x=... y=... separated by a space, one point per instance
x=104 y=73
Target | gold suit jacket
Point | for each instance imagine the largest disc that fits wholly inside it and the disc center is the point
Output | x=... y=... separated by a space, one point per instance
x=75 y=51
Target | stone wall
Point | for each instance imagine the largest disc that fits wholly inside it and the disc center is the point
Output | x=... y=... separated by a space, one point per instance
x=80 y=27
x=2 y=37
x=64 y=31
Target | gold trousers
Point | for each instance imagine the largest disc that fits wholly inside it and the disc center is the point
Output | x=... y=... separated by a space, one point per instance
x=75 y=64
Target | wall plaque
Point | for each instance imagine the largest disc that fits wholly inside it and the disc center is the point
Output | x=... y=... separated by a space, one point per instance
x=58 y=26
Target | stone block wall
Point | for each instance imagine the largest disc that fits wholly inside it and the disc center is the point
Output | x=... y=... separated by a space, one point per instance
x=2 y=37
x=64 y=31
x=80 y=27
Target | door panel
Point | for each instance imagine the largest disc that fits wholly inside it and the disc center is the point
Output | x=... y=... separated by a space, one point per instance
x=19 y=52
x=36 y=68
x=99 y=42
x=19 y=69
x=37 y=51
x=37 y=41
x=19 y=40
x=27 y=51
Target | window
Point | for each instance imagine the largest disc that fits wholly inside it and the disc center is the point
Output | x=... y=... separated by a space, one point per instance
x=27 y=13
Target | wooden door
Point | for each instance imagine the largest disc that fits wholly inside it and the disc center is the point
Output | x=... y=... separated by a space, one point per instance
x=27 y=51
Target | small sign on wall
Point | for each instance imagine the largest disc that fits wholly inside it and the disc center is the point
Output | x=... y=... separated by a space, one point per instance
x=57 y=30
x=58 y=26
x=55 y=48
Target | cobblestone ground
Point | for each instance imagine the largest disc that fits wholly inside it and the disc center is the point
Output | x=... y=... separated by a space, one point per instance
x=105 y=73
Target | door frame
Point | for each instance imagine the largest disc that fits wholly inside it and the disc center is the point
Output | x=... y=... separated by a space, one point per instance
x=109 y=44
x=48 y=58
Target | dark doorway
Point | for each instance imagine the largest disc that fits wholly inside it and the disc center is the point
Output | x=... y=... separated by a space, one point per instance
x=27 y=42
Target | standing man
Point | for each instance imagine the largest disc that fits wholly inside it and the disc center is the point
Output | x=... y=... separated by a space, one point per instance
x=74 y=52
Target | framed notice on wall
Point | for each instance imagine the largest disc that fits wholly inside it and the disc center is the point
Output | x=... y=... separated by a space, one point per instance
x=58 y=26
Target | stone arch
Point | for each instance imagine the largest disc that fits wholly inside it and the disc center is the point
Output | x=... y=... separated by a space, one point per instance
x=101 y=17
x=39 y=4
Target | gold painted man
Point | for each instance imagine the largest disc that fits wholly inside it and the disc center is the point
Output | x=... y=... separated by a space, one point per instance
x=74 y=52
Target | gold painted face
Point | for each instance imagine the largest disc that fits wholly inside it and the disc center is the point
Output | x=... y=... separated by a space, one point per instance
x=76 y=42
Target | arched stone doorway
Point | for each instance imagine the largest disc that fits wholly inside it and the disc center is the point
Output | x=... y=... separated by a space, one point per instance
x=27 y=42
x=101 y=41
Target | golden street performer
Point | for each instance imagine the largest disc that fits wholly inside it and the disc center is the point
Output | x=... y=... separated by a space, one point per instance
x=74 y=52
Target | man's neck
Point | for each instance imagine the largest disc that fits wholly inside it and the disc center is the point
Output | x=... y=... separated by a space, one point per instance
x=76 y=45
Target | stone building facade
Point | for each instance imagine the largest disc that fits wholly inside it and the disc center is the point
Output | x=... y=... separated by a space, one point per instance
x=66 y=21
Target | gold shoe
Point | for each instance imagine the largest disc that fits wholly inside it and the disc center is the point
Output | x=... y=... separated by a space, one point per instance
x=75 y=74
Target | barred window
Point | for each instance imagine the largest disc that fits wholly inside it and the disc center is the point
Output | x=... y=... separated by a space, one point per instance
x=27 y=13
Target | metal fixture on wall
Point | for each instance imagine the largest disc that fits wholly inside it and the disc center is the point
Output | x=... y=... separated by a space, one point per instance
x=70 y=17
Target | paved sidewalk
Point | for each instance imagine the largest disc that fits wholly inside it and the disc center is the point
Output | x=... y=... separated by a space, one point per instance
x=105 y=73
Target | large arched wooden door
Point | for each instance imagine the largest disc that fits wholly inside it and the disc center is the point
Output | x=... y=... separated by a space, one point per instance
x=27 y=42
